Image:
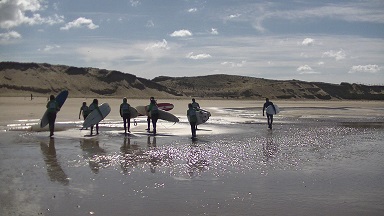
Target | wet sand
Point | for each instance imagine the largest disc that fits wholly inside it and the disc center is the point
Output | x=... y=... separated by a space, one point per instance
x=321 y=158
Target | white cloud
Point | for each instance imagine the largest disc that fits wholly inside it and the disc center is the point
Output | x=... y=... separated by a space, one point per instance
x=232 y=16
x=181 y=33
x=15 y=12
x=158 y=45
x=80 y=22
x=198 y=56
x=233 y=64
x=192 y=10
x=305 y=69
x=365 y=69
x=134 y=3
x=320 y=63
x=338 y=55
x=49 y=48
x=9 y=36
x=308 y=42
x=214 y=31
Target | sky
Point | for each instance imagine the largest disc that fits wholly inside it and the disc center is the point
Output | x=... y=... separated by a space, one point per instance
x=330 y=41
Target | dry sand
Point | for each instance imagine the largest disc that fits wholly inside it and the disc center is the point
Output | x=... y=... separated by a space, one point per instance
x=321 y=158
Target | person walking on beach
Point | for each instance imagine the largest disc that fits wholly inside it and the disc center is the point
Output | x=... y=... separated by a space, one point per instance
x=148 y=117
x=53 y=107
x=154 y=112
x=191 y=114
x=126 y=115
x=196 y=106
x=85 y=110
x=94 y=105
x=269 y=116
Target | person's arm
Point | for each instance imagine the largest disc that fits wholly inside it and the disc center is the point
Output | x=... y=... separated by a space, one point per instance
x=263 y=109
x=81 y=108
x=121 y=114
x=57 y=106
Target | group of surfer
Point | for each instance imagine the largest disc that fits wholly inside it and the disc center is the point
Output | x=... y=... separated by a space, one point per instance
x=125 y=113
x=86 y=110
x=152 y=109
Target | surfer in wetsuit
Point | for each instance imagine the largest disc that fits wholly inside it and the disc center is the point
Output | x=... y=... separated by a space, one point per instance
x=191 y=113
x=84 y=108
x=154 y=111
x=94 y=105
x=53 y=107
x=149 y=118
x=196 y=106
x=269 y=116
x=126 y=115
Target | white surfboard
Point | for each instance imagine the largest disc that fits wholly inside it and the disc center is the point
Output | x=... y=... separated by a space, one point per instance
x=271 y=111
x=97 y=115
x=162 y=114
x=133 y=112
x=202 y=116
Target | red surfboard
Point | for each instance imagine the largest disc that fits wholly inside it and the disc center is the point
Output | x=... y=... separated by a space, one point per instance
x=165 y=106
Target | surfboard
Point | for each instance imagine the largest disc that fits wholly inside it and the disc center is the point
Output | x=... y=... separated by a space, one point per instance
x=133 y=112
x=165 y=106
x=164 y=115
x=97 y=115
x=202 y=116
x=60 y=99
x=271 y=111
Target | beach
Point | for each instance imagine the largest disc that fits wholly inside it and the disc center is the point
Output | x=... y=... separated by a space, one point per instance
x=320 y=158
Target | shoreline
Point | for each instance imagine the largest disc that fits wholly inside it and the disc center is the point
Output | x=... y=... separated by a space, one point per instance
x=307 y=164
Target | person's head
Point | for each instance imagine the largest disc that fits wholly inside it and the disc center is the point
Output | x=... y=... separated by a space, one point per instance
x=190 y=105
x=267 y=99
x=193 y=99
x=95 y=101
x=84 y=103
x=125 y=100
x=151 y=98
x=52 y=97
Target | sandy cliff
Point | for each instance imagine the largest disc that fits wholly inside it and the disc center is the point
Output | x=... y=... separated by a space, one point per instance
x=22 y=79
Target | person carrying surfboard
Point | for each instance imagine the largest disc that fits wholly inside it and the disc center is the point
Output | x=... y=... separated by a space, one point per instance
x=126 y=115
x=148 y=117
x=192 y=117
x=269 y=116
x=196 y=106
x=154 y=111
x=52 y=108
x=95 y=105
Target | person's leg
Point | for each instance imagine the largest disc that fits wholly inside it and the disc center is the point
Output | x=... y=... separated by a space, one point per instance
x=149 y=123
x=193 y=129
x=154 y=122
x=271 y=121
x=129 y=123
x=51 y=122
x=125 y=124
x=97 y=128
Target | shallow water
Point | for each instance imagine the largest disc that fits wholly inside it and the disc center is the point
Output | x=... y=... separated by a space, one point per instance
x=307 y=165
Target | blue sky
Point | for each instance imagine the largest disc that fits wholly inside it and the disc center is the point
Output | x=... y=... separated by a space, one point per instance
x=327 y=41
